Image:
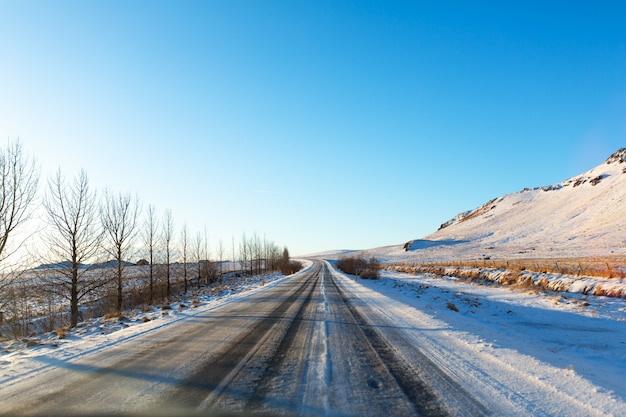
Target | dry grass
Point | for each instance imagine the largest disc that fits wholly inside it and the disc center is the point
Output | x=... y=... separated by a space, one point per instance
x=522 y=274
x=62 y=332
x=590 y=267
x=116 y=315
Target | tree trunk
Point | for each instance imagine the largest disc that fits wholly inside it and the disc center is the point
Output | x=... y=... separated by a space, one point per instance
x=119 y=281
x=74 y=297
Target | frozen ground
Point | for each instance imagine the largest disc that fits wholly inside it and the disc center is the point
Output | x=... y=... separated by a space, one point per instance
x=572 y=342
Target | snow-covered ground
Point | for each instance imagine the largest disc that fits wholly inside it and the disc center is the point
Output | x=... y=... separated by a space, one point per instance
x=566 y=351
x=527 y=353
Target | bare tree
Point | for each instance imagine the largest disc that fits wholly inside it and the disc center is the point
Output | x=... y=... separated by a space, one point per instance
x=209 y=270
x=150 y=238
x=184 y=244
x=255 y=253
x=232 y=242
x=266 y=255
x=119 y=219
x=220 y=252
x=197 y=254
x=19 y=179
x=73 y=239
x=243 y=253
x=168 y=235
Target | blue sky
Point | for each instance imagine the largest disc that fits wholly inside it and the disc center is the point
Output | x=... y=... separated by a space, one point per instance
x=321 y=124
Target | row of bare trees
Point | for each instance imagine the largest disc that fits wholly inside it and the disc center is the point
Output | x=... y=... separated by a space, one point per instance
x=80 y=230
x=83 y=229
x=259 y=256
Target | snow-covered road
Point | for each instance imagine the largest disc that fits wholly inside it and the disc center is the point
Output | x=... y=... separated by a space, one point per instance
x=317 y=343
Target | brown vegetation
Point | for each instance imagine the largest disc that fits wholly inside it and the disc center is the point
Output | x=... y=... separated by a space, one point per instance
x=360 y=267
x=62 y=332
x=452 y=307
x=590 y=267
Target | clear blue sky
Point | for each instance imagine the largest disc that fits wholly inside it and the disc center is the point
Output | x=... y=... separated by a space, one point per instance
x=321 y=124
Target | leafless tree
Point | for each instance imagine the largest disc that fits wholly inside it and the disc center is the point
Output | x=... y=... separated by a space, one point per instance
x=273 y=256
x=232 y=243
x=168 y=235
x=150 y=240
x=119 y=218
x=19 y=179
x=220 y=253
x=73 y=239
x=210 y=268
x=197 y=254
x=243 y=253
x=256 y=253
x=284 y=261
x=266 y=255
x=184 y=245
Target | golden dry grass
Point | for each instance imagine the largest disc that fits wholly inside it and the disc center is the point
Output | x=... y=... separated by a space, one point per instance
x=590 y=267
x=521 y=274
x=62 y=332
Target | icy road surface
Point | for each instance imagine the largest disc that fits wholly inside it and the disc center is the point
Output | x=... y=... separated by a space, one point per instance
x=314 y=344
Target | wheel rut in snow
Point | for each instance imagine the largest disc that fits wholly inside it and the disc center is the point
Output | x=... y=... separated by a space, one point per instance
x=415 y=382
x=276 y=363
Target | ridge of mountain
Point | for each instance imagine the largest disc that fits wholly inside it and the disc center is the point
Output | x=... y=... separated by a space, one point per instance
x=582 y=216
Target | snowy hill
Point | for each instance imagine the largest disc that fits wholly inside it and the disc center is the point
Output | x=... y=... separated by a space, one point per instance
x=582 y=216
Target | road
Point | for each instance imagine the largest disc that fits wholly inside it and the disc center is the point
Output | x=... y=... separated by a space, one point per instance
x=301 y=347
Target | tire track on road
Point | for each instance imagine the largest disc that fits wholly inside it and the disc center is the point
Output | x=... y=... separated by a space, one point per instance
x=414 y=379
x=276 y=364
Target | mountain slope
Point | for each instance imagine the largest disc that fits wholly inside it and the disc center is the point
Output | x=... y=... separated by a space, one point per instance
x=583 y=216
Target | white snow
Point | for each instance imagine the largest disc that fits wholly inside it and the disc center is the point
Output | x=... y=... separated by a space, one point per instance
x=574 y=218
x=520 y=353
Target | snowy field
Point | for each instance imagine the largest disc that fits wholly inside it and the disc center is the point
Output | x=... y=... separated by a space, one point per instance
x=545 y=346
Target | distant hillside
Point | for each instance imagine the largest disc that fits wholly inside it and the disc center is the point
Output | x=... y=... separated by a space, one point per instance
x=582 y=216
x=585 y=215
x=67 y=264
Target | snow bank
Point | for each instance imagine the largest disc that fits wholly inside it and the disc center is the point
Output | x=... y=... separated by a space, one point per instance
x=521 y=353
